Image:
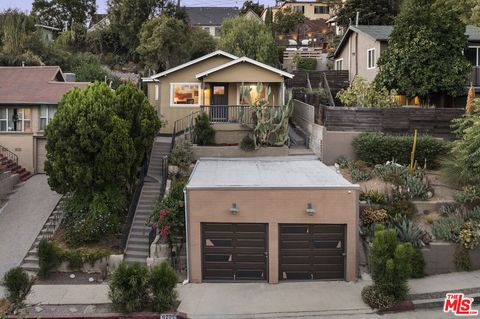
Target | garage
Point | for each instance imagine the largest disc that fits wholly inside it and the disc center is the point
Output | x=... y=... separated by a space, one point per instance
x=311 y=252
x=41 y=155
x=234 y=251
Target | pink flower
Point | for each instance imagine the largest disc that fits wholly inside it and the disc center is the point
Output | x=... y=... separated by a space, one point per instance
x=163 y=213
x=154 y=226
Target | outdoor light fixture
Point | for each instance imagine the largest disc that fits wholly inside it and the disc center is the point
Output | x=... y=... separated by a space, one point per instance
x=310 y=210
x=234 y=209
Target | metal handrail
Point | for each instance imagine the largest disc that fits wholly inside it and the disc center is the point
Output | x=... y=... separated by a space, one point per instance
x=5 y=152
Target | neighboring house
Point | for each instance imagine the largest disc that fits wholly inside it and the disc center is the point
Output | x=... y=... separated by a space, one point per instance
x=270 y=219
x=252 y=15
x=312 y=10
x=215 y=83
x=99 y=21
x=28 y=100
x=362 y=45
x=48 y=33
x=210 y=18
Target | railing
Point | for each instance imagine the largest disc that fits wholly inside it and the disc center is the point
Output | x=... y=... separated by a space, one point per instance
x=475 y=78
x=133 y=204
x=183 y=126
x=230 y=114
x=6 y=153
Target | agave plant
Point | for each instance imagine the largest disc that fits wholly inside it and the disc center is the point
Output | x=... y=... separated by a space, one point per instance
x=407 y=231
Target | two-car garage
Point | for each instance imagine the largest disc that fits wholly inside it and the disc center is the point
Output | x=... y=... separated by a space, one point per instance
x=270 y=219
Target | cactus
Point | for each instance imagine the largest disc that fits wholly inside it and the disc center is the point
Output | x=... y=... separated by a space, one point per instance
x=271 y=124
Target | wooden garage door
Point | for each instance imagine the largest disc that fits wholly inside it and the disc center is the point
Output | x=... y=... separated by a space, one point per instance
x=234 y=251
x=309 y=252
x=41 y=155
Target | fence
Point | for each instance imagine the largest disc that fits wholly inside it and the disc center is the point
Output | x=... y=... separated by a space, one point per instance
x=337 y=80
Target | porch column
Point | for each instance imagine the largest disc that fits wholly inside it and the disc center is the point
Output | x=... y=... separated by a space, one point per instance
x=283 y=93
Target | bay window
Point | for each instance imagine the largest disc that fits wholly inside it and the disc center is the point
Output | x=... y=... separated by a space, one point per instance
x=13 y=119
x=185 y=94
x=46 y=115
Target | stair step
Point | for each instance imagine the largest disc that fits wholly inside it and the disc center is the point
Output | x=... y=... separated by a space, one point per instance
x=138 y=247
x=30 y=266
x=138 y=241
x=139 y=235
x=136 y=254
x=132 y=260
x=31 y=259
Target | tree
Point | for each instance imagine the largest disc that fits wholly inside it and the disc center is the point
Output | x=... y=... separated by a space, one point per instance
x=372 y=12
x=269 y=17
x=17 y=29
x=254 y=6
x=88 y=145
x=200 y=43
x=163 y=42
x=286 y=20
x=245 y=37
x=424 y=54
x=469 y=10
x=63 y=13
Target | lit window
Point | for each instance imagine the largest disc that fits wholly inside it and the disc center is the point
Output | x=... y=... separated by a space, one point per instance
x=14 y=119
x=185 y=94
x=254 y=95
x=299 y=9
x=322 y=10
x=46 y=115
x=339 y=64
x=371 y=59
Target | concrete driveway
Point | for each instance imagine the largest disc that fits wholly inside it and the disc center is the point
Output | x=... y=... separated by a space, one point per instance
x=22 y=219
x=261 y=300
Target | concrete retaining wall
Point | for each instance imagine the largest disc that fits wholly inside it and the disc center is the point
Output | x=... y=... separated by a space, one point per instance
x=236 y=151
x=230 y=133
x=439 y=258
x=106 y=264
x=7 y=181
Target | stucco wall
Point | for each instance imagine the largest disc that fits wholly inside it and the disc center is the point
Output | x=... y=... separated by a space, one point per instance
x=335 y=144
x=274 y=207
x=439 y=258
x=7 y=181
x=230 y=133
x=236 y=151
x=22 y=145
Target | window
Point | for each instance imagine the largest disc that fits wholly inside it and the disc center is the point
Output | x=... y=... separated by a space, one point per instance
x=299 y=9
x=322 y=10
x=254 y=94
x=46 y=114
x=339 y=64
x=14 y=119
x=371 y=59
x=473 y=55
x=185 y=94
x=217 y=31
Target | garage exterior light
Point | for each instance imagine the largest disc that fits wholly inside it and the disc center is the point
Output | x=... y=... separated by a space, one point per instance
x=234 y=209
x=310 y=210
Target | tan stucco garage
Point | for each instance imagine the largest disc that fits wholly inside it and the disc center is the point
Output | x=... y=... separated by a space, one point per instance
x=270 y=219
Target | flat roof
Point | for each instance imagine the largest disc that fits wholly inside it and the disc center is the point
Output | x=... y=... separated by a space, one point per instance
x=266 y=172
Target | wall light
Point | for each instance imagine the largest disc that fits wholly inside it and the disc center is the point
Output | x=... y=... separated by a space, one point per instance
x=310 y=210
x=234 y=209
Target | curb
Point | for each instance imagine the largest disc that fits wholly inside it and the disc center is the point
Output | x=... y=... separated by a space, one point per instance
x=114 y=315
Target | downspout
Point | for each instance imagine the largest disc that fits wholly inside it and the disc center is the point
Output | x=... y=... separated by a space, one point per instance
x=187 y=237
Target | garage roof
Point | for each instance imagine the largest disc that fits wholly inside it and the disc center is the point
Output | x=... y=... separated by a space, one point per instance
x=265 y=172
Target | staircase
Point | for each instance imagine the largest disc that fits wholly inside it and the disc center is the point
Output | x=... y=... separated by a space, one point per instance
x=138 y=245
x=9 y=162
x=298 y=142
x=30 y=262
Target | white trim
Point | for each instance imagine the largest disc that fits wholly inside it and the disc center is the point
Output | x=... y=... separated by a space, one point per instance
x=244 y=59
x=336 y=61
x=199 y=84
x=373 y=59
x=157 y=93
x=182 y=66
x=477 y=53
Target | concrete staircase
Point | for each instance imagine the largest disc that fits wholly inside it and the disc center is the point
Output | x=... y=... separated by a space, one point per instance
x=298 y=142
x=30 y=262
x=137 y=248
x=10 y=165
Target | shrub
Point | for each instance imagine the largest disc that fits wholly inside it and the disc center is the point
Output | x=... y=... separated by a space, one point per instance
x=418 y=264
x=203 y=132
x=400 y=206
x=370 y=215
x=409 y=232
x=181 y=155
x=378 y=148
x=308 y=64
x=163 y=280
x=359 y=171
x=247 y=143
x=449 y=209
x=362 y=94
x=342 y=162
x=447 y=228
x=462 y=259
x=373 y=197
x=469 y=196
x=415 y=187
x=129 y=287
x=48 y=257
x=17 y=284
x=474 y=214
x=376 y=299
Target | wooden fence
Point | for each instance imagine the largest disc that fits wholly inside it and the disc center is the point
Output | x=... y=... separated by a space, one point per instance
x=337 y=80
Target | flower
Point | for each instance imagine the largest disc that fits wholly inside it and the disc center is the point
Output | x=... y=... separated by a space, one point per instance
x=164 y=213
x=154 y=226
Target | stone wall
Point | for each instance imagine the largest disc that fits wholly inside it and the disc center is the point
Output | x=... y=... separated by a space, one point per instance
x=439 y=258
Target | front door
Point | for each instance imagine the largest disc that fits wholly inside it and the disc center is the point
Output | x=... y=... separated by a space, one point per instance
x=219 y=102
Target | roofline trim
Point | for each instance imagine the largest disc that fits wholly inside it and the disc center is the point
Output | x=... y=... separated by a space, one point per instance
x=347 y=34
x=244 y=59
x=182 y=66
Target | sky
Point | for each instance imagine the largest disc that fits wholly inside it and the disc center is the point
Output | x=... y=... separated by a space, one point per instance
x=26 y=5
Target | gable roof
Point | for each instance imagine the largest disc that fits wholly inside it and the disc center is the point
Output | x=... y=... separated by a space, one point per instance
x=199 y=16
x=247 y=60
x=182 y=66
x=34 y=85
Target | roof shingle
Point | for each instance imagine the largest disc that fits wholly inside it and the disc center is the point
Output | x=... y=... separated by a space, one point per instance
x=199 y=16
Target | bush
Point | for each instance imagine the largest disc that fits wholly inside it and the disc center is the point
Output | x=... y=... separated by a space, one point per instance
x=449 y=209
x=373 y=197
x=17 y=284
x=448 y=228
x=203 y=132
x=400 y=206
x=370 y=215
x=129 y=291
x=163 y=280
x=470 y=195
x=418 y=264
x=181 y=155
x=362 y=94
x=378 y=148
x=247 y=143
x=48 y=257
x=474 y=214
x=308 y=64
x=376 y=299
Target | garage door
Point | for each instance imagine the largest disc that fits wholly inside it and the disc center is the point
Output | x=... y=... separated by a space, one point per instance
x=234 y=252
x=41 y=155
x=312 y=252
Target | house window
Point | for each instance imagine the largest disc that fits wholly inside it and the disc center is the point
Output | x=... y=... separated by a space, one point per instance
x=14 y=119
x=254 y=94
x=321 y=10
x=299 y=9
x=371 y=59
x=46 y=115
x=217 y=32
x=339 y=64
x=185 y=94
x=473 y=55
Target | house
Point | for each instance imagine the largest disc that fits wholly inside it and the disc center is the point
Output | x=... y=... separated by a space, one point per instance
x=48 y=33
x=98 y=22
x=28 y=100
x=210 y=18
x=250 y=14
x=213 y=83
x=270 y=219
x=312 y=10
x=362 y=45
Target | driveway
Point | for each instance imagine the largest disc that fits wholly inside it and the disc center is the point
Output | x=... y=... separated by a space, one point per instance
x=261 y=300
x=21 y=220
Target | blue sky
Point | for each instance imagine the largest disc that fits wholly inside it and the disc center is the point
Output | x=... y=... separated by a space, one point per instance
x=25 y=5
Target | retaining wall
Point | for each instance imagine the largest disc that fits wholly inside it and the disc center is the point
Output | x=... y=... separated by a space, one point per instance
x=7 y=181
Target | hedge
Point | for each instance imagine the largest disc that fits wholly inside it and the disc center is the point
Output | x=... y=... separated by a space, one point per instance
x=307 y=64
x=378 y=148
